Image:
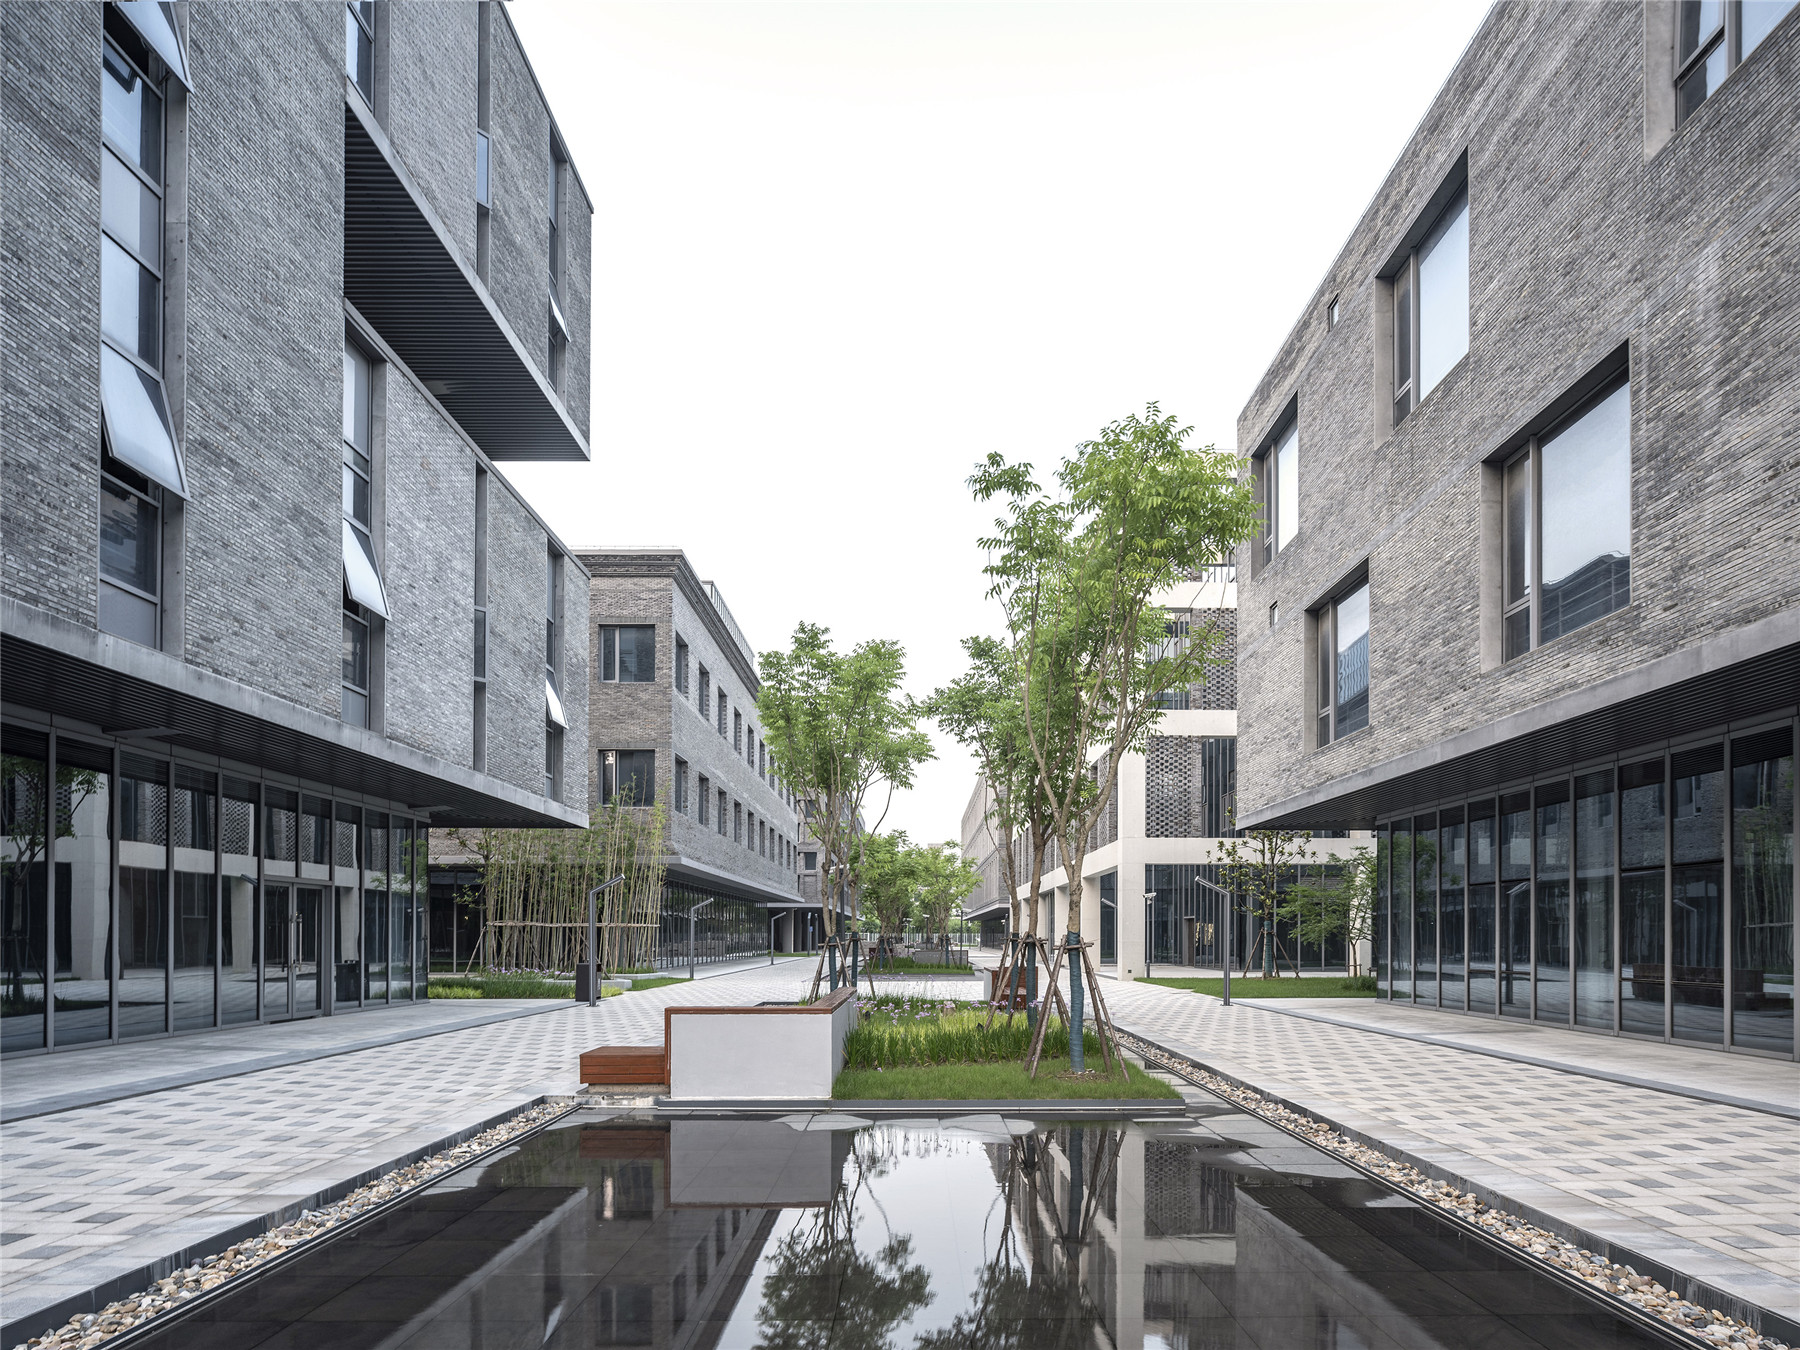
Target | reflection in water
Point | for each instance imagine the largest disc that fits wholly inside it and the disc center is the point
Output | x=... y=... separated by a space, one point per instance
x=978 y=1232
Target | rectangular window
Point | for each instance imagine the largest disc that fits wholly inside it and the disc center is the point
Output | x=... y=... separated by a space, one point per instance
x=359 y=46
x=1711 y=38
x=810 y=861
x=762 y=760
x=703 y=799
x=559 y=328
x=681 y=664
x=362 y=572
x=1566 y=502
x=553 y=580
x=1278 y=484
x=721 y=812
x=722 y=712
x=356 y=664
x=737 y=732
x=681 y=793
x=750 y=831
x=1431 y=307
x=703 y=695
x=1762 y=891
x=1342 y=638
x=628 y=777
x=737 y=822
x=628 y=653
x=553 y=743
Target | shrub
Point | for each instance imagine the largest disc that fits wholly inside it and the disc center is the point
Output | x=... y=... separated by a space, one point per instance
x=897 y=1032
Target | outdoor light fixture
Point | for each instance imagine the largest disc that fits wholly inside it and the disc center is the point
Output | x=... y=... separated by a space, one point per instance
x=594 y=937
x=1149 y=922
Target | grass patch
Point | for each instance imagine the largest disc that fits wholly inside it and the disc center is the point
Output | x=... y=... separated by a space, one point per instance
x=657 y=982
x=907 y=966
x=1254 y=986
x=507 y=984
x=1000 y=1082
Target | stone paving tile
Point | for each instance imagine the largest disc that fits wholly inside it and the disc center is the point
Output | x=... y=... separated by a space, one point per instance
x=215 y=1152
x=1600 y=1153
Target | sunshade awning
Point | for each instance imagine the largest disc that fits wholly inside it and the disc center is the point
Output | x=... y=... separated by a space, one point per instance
x=361 y=578
x=155 y=23
x=136 y=417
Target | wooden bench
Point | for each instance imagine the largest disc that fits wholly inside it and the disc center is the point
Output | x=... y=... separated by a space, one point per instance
x=624 y=1065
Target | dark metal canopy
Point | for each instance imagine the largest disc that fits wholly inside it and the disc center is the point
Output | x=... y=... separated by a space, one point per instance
x=1765 y=685
x=59 y=684
x=404 y=277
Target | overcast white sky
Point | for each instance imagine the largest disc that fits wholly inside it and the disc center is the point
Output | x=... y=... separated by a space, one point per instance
x=842 y=251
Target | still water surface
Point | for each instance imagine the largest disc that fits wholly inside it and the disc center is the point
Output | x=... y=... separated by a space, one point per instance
x=825 y=1233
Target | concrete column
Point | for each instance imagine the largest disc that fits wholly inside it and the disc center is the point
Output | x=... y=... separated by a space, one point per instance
x=1132 y=852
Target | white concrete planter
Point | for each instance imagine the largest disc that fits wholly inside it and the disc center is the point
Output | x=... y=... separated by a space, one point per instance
x=762 y=1053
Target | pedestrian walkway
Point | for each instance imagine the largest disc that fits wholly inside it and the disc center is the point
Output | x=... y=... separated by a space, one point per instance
x=95 y=1195
x=1708 y=1188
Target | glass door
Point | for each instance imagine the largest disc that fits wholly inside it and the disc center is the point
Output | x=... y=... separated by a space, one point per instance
x=291 y=952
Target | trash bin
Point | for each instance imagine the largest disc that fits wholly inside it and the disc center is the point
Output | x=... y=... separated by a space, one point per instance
x=584 y=977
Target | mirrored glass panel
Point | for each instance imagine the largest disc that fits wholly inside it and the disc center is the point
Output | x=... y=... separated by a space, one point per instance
x=1425 y=951
x=1697 y=927
x=1400 y=930
x=1444 y=294
x=24 y=887
x=1643 y=824
x=1762 y=891
x=1514 y=899
x=194 y=823
x=1552 y=892
x=143 y=895
x=83 y=976
x=1591 y=923
x=1587 y=517
x=1352 y=633
x=1452 y=913
x=238 y=926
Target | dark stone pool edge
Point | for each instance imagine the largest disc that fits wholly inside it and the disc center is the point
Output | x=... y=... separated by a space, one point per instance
x=134 y=1281
x=1765 y=1321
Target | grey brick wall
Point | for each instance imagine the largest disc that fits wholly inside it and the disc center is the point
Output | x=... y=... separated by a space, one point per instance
x=1580 y=241
x=49 y=335
x=658 y=717
x=261 y=385
x=519 y=275
x=431 y=107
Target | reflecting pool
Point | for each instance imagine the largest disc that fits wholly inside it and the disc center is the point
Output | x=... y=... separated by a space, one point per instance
x=832 y=1233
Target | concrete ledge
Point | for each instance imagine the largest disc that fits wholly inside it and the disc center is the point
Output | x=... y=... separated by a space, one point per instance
x=790 y=1053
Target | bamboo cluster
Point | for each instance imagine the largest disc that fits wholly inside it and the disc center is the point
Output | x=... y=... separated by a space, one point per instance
x=536 y=884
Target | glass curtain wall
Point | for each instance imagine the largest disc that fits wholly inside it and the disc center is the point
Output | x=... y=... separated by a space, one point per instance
x=1653 y=897
x=141 y=896
x=1109 y=917
x=728 y=928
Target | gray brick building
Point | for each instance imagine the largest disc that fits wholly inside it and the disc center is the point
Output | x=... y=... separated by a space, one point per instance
x=672 y=703
x=286 y=284
x=1532 y=564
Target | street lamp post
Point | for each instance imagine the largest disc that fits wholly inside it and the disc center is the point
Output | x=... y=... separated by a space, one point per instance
x=1149 y=922
x=691 y=913
x=1225 y=939
x=594 y=937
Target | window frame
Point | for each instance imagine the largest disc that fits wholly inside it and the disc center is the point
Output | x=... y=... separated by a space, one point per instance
x=1405 y=346
x=1726 y=41
x=1529 y=452
x=361 y=13
x=1266 y=468
x=611 y=645
x=1325 y=706
x=680 y=786
x=358 y=615
x=681 y=665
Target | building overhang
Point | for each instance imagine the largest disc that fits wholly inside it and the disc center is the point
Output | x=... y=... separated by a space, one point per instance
x=682 y=868
x=1736 y=677
x=77 y=674
x=403 y=275
x=997 y=907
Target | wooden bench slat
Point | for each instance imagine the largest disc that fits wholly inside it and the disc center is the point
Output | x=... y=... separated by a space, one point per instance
x=624 y=1064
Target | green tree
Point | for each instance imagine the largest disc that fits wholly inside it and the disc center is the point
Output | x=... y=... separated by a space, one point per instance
x=840 y=729
x=945 y=878
x=1261 y=866
x=1341 y=903
x=1080 y=575
x=888 y=879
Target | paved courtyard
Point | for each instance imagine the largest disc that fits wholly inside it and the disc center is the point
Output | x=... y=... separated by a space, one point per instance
x=96 y=1190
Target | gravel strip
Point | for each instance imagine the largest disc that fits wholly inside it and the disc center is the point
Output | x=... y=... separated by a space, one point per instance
x=1706 y=1326
x=91 y=1329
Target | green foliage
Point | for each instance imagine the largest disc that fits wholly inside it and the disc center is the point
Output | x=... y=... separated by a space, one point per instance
x=1310 y=986
x=889 y=875
x=945 y=877
x=1338 y=907
x=1259 y=866
x=657 y=982
x=508 y=984
x=839 y=726
x=1135 y=512
x=1001 y=1082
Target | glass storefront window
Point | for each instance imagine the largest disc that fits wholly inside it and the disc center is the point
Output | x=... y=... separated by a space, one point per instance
x=1514 y=913
x=194 y=822
x=1378 y=955
x=1452 y=890
x=238 y=928
x=1482 y=858
x=1552 y=893
x=83 y=980
x=1643 y=824
x=1697 y=928
x=1400 y=929
x=143 y=895
x=281 y=832
x=1592 y=923
x=24 y=918
x=1425 y=898
x=1762 y=891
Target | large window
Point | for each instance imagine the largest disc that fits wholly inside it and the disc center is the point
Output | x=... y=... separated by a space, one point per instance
x=1278 y=484
x=1566 y=502
x=553 y=642
x=1431 y=307
x=365 y=598
x=1711 y=38
x=681 y=665
x=628 y=653
x=1343 y=664
x=559 y=327
x=628 y=777
x=140 y=459
x=359 y=46
x=703 y=695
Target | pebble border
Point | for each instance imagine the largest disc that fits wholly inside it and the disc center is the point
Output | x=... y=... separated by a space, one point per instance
x=1706 y=1326
x=127 y=1314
